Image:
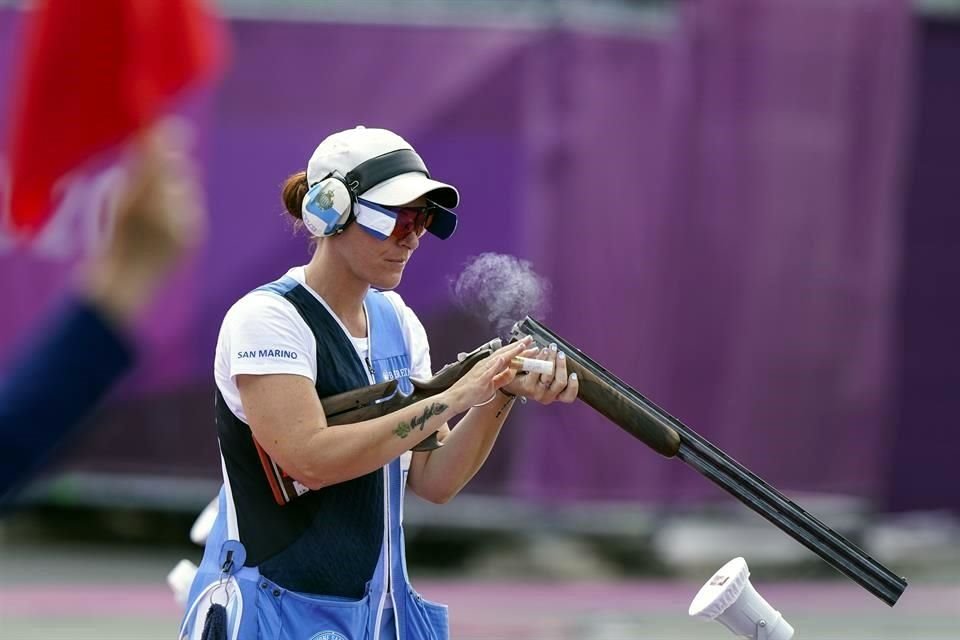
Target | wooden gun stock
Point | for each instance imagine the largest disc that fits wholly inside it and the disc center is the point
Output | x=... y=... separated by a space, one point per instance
x=378 y=400
x=371 y=402
x=668 y=436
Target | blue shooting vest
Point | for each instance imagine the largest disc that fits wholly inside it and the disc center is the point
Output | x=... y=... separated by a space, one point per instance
x=258 y=608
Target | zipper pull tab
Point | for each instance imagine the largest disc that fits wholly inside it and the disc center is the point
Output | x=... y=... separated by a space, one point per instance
x=370 y=367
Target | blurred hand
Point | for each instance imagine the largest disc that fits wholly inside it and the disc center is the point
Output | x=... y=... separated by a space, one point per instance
x=158 y=219
x=546 y=388
x=482 y=381
x=158 y=214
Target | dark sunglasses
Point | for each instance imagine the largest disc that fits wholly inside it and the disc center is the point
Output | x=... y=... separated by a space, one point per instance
x=411 y=219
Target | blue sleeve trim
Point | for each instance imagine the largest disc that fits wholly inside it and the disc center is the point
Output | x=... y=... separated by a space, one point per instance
x=279 y=287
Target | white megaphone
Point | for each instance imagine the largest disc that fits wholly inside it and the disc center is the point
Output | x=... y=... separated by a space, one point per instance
x=730 y=599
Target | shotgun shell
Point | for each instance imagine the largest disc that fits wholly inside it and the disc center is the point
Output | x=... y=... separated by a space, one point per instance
x=532 y=365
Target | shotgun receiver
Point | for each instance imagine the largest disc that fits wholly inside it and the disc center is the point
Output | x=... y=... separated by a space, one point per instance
x=671 y=438
x=371 y=402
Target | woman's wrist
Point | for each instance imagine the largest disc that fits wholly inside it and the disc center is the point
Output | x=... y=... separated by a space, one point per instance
x=511 y=397
x=500 y=402
x=452 y=399
x=120 y=293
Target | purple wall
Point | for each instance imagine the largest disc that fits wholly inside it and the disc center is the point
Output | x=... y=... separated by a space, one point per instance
x=923 y=459
x=716 y=207
x=743 y=271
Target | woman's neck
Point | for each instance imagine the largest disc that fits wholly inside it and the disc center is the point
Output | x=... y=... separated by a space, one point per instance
x=342 y=292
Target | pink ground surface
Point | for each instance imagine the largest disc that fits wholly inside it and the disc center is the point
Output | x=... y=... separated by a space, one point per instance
x=506 y=598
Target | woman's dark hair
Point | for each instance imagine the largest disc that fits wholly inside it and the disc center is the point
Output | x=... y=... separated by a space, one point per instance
x=294 y=188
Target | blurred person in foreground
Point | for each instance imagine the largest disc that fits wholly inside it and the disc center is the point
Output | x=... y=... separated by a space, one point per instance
x=328 y=562
x=65 y=369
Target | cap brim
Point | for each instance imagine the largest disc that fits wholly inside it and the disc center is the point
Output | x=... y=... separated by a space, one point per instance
x=407 y=187
x=444 y=221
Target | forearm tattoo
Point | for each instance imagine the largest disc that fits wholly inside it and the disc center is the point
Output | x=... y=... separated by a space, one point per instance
x=418 y=422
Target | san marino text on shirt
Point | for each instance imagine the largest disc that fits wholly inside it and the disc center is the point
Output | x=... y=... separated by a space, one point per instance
x=267 y=353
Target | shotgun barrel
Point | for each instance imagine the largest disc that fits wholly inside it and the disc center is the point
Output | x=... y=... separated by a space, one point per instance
x=668 y=436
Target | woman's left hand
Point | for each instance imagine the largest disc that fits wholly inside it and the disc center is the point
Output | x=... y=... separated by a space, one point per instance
x=546 y=388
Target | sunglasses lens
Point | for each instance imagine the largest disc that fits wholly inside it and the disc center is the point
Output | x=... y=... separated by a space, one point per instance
x=411 y=219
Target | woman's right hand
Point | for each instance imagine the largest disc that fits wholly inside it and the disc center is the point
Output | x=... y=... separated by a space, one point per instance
x=482 y=381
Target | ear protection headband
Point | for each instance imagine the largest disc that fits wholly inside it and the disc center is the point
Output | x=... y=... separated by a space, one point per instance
x=328 y=207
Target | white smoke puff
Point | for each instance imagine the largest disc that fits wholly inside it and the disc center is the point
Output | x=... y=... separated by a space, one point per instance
x=500 y=290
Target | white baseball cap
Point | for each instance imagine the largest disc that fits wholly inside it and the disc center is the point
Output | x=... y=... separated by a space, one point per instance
x=343 y=151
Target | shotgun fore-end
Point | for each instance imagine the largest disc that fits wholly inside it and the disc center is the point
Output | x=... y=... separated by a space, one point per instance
x=608 y=395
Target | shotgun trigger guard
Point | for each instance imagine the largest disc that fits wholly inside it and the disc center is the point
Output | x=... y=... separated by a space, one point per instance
x=389 y=395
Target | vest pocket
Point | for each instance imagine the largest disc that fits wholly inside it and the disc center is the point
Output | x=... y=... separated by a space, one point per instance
x=300 y=616
x=426 y=619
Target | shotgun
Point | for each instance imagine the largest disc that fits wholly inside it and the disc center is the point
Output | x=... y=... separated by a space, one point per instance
x=642 y=419
x=671 y=438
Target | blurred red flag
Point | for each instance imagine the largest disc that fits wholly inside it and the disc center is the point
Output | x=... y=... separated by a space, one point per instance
x=93 y=73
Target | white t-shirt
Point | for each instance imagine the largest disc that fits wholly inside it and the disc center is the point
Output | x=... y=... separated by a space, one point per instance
x=263 y=333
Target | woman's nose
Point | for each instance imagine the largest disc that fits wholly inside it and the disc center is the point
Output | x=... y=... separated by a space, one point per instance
x=410 y=241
